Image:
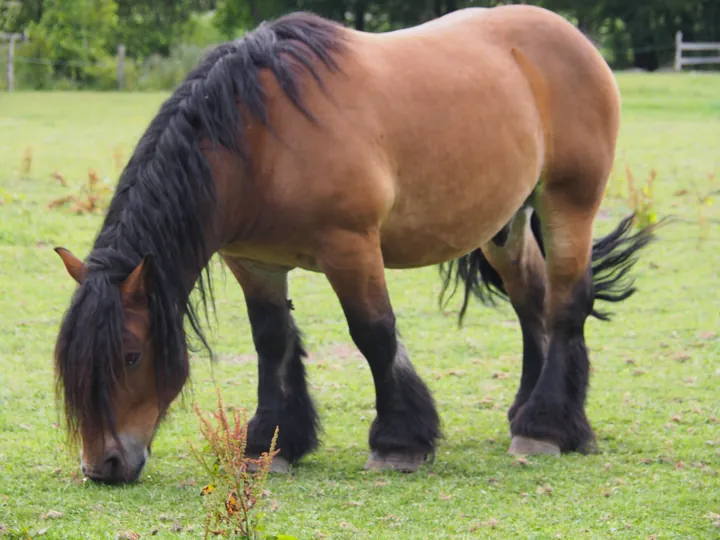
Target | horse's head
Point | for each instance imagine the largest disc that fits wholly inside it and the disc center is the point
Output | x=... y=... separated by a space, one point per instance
x=111 y=368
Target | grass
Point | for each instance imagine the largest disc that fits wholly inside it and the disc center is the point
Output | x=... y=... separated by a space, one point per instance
x=654 y=390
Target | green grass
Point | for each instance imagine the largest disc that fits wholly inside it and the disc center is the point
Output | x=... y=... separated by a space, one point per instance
x=654 y=390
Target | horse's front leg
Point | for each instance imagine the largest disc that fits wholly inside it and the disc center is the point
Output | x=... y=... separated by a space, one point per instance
x=283 y=398
x=406 y=428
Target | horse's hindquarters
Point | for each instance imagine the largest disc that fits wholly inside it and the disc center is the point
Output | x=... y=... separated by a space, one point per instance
x=466 y=141
x=482 y=107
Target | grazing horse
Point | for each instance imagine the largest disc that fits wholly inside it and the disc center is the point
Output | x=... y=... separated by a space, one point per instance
x=480 y=142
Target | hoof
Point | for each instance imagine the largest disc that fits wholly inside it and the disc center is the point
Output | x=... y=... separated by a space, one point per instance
x=279 y=465
x=395 y=461
x=525 y=446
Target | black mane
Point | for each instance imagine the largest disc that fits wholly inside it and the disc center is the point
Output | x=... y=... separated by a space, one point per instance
x=164 y=198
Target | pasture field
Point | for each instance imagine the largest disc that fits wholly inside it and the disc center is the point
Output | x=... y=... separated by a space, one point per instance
x=655 y=389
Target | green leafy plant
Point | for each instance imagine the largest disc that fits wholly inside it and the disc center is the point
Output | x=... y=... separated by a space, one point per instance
x=640 y=198
x=235 y=494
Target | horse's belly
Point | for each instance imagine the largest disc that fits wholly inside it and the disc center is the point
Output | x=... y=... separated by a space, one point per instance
x=453 y=195
x=429 y=228
x=461 y=169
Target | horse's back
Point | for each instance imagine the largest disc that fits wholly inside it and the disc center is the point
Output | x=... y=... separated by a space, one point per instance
x=481 y=46
x=437 y=134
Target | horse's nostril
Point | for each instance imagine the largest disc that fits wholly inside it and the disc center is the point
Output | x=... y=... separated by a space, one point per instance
x=112 y=468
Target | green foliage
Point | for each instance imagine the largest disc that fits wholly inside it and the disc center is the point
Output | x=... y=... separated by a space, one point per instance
x=231 y=18
x=31 y=69
x=71 y=35
x=201 y=31
x=103 y=75
x=640 y=198
x=68 y=45
x=634 y=32
x=157 y=72
x=16 y=15
x=74 y=33
x=148 y=27
x=164 y=73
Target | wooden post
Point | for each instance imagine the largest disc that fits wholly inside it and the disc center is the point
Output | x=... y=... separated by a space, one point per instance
x=678 y=51
x=11 y=60
x=121 y=66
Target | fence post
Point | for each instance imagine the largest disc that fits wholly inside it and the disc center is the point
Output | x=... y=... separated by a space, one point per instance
x=678 y=51
x=11 y=67
x=121 y=66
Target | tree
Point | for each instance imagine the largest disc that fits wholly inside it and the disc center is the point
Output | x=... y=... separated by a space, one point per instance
x=16 y=15
x=233 y=17
x=74 y=33
x=147 y=27
x=68 y=32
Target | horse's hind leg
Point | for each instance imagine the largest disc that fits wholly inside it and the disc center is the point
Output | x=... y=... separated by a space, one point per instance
x=407 y=425
x=519 y=262
x=555 y=412
x=283 y=398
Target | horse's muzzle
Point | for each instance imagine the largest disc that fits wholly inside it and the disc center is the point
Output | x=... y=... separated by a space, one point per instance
x=118 y=466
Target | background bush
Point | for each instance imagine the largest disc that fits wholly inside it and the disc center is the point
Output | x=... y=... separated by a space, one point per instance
x=73 y=43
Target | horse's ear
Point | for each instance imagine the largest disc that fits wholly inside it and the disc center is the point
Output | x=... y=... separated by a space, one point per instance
x=137 y=285
x=75 y=267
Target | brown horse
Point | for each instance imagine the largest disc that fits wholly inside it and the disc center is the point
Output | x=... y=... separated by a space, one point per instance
x=483 y=139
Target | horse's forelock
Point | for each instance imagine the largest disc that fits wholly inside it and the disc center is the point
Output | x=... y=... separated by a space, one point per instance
x=89 y=349
x=88 y=354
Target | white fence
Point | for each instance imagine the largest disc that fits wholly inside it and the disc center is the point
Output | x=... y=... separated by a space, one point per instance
x=681 y=46
x=12 y=38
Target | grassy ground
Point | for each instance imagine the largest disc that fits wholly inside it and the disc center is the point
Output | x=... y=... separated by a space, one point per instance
x=654 y=390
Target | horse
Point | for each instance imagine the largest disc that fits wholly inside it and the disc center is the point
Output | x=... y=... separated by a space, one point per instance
x=480 y=142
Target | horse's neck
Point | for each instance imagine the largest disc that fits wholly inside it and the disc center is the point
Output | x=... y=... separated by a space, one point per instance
x=186 y=271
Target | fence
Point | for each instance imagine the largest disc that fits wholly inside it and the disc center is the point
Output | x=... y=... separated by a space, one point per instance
x=681 y=46
x=155 y=72
x=12 y=39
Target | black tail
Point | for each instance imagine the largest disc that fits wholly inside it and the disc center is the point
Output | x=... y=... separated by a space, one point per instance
x=613 y=256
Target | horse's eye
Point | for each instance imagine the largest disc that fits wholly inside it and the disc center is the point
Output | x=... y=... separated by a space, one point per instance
x=132 y=358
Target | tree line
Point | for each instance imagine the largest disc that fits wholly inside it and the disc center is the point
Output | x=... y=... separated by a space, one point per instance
x=76 y=40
